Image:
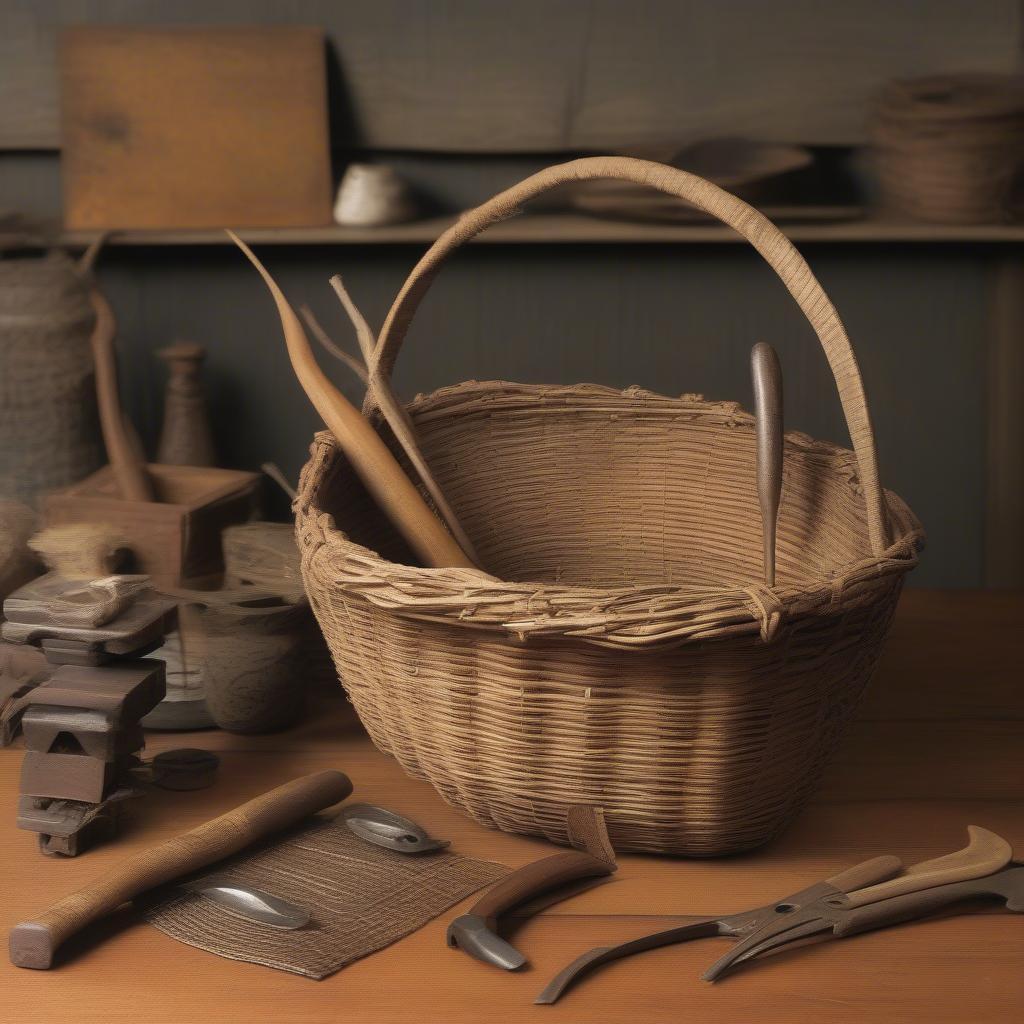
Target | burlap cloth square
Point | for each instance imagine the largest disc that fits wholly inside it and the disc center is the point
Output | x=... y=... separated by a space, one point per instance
x=361 y=897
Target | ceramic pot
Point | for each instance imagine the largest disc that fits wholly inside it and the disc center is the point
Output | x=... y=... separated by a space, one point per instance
x=372 y=195
x=254 y=657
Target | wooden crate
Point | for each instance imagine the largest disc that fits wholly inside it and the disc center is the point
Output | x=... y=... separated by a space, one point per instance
x=175 y=538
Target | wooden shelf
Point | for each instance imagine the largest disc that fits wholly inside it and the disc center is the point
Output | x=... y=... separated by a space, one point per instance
x=573 y=228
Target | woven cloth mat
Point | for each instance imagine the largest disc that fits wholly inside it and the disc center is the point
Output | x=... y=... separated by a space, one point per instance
x=362 y=898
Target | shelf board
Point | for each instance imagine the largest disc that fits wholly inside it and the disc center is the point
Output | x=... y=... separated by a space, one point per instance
x=815 y=224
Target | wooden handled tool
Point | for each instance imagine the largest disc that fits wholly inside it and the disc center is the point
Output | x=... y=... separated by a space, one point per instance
x=129 y=469
x=370 y=457
x=1008 y=884
x=838 y=905
x=476 y=932
x=767 y=373
x=840 y=917
x=985 y=853
x=694 y=927
x=33 y=943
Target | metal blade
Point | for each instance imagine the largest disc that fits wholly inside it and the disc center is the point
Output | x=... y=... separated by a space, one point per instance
x=471 y=934
x=802 y=931
x=561 y=981
x=250 y=902
x=782 y=931
x=385 y=828
x=699 y=929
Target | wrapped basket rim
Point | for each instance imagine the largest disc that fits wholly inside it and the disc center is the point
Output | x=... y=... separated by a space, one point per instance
x=630 y=616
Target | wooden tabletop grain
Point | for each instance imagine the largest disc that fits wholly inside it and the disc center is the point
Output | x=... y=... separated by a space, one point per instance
x=939 y=745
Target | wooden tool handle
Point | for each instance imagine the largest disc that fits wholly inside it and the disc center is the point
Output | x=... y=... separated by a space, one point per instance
x=538 y=877
x=878 y=869
x=370 y=457
x=129 y=469
x=1007 y=884
x=33 y=943
x=985 y=853
x=767 y=374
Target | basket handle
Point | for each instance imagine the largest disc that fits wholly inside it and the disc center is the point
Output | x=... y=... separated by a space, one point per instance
x=776 y=249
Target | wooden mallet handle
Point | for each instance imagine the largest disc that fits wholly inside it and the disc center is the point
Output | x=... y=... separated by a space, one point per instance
x=33 y=943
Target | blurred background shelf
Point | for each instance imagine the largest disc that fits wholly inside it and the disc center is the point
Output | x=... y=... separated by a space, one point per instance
x=809 y=224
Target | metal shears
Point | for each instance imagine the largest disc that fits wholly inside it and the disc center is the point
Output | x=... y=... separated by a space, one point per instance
x=869 y=895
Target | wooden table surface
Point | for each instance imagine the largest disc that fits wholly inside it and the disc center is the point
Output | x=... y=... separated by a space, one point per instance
x=938 y=746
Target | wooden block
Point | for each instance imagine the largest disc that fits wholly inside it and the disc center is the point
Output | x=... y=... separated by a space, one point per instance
x=52 y=600
x=96 y=830
x=29 y=621
x=124 y=691
x=73 y=652
x=65 y=817
x=79 y=730
x=176 y=537
x=20 y=666
x=13 y=702
x=194 y=127
x=58 y=817
x=90 y=604
x=66 y=776
x=69 y=827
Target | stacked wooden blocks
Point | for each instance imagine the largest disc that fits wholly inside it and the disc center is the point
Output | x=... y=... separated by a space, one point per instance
x=82 y=735
x=81 y=724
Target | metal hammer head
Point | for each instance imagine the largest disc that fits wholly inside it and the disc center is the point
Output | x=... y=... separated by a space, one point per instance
x=471 y=934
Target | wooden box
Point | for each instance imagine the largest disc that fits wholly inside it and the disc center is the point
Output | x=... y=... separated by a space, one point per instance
x=176 y=538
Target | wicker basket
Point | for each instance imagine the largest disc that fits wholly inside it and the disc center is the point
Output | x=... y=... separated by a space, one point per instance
x=627 y=655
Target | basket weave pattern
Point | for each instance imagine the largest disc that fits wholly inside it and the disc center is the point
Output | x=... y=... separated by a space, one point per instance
x=49 y=432
x=624 y=653
x=657 y=699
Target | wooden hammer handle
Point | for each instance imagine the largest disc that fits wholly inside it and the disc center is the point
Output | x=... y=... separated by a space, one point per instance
x=538 y=877
x=33 y=943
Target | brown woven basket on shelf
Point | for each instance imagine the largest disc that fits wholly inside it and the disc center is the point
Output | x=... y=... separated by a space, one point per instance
x=627 y=654
x=950 y=148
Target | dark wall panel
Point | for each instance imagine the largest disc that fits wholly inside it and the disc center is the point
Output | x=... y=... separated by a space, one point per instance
x=673 y=319
x=555 y=75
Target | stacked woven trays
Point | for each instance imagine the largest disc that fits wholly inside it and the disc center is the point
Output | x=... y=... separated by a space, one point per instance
x=950 y=148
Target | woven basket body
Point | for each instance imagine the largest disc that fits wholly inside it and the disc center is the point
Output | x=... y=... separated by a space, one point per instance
x=49 y=430
x=625 y=652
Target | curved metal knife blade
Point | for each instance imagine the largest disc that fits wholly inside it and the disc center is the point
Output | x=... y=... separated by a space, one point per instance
x=700 y=928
